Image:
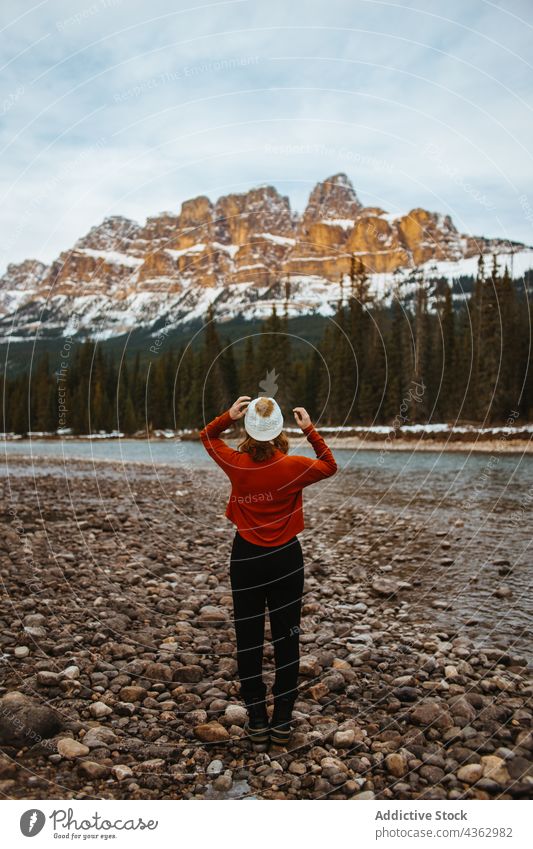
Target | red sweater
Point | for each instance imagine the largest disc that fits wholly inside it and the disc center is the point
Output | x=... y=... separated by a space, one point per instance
x=266 y=498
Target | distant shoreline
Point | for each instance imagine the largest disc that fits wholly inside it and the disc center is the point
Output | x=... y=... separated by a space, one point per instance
x=502 y=445
x=488 y=446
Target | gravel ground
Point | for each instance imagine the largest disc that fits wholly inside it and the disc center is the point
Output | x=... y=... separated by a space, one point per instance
x=118 y=658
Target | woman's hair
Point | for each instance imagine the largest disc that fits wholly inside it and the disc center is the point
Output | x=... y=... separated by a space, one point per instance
x=258 y=450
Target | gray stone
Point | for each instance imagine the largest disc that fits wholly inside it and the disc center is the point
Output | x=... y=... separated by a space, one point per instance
x=215 y=767
x=236 y=714
x=21 y=651
x=344 y=739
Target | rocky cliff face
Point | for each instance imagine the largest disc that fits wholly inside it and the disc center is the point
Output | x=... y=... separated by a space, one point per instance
x=242 y=253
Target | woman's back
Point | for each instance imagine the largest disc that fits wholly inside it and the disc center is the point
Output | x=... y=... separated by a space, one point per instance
x=266 y=501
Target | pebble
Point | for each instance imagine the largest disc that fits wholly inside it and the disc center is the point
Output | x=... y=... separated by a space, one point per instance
x=99 y=709
x=495 y=768
x=70 y=748
x=99 y=735
x=318 y=691
x=385 y=586
x=470 y=773
x=396 y=764
x=121 y=771
x=71 y=672
x=48 y=678
x=93 y=770
x=223 y=782
x=236 y=714
x=344 y=739
x=215 y=767
x=432 y=713
x=21 y=651
x=211 y=732
x=192 y=673
x=132 y=693
x=209 y=614
x=406 y=694
x=432 y=774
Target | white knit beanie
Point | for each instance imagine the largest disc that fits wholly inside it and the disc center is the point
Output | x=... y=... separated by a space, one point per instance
x=267 y=422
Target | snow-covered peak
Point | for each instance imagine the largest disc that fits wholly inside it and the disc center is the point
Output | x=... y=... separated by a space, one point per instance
x=334 y=198
x=115 y=233
x=25 y=275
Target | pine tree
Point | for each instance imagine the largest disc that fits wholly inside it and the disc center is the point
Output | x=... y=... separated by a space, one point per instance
x=489 y=346
x=319 y=380
x=189 y=410
x=464 y=400
x=79 y=386
x=19 y=404
x=343 y=372
x=230 y=374
x=446 y=400
x=138 y=390
x=42 y=411
x=359 y=326
x=126 y=418
x=98 y=400
x=248 y=377
x=158 y=398
x=507 y=389
x=213 y=390
x=273 y=358
x=372 y=396
x=310 y=387
x=419 y=389
x=398 y=366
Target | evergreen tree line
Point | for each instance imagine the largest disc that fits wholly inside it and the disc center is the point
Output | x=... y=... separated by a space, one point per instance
x=465 y=361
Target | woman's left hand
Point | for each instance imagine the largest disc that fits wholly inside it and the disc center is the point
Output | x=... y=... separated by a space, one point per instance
x=238 y=409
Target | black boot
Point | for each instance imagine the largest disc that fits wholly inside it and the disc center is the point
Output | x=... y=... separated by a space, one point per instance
x=257 y=726
x=280 y=724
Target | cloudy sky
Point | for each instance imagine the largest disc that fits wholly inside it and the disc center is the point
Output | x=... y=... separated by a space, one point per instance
x=128 y=107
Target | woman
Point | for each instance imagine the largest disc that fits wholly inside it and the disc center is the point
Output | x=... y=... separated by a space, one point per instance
x=266 y=567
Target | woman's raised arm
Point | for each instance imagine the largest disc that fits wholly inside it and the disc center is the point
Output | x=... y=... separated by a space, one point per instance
x=221 y=453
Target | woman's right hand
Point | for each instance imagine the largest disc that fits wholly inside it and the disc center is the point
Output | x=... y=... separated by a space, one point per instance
x=238 y=409
x=302 y=417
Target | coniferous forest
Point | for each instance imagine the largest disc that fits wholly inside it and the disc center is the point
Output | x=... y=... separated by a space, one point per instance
x=428 y=356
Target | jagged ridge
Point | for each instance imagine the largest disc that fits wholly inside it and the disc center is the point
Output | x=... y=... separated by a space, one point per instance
x=238 y=253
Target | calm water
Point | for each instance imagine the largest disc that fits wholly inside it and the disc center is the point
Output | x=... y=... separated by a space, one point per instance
x=480 y=480
x=487 y=497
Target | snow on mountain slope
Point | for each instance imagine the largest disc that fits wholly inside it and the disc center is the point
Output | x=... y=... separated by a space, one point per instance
x=242 y=254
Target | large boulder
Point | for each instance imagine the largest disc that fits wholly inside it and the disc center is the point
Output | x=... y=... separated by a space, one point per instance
x=24 y=720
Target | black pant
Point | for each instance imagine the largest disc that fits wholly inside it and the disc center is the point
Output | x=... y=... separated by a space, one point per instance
x=270 y=576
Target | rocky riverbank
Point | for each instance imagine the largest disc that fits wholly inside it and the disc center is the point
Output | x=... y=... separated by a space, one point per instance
x=487 y=446
x=118 y=663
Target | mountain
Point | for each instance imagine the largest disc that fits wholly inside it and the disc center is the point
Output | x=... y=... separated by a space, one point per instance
x=243 y=254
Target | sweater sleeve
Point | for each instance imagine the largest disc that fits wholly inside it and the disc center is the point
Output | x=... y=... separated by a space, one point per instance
x=324 y=466
x=221 y=453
